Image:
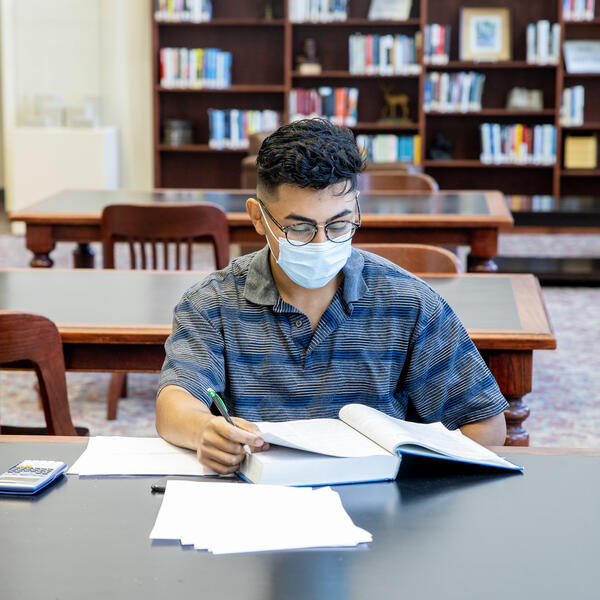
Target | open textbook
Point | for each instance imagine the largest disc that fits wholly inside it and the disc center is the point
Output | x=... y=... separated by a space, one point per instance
x=364 y=444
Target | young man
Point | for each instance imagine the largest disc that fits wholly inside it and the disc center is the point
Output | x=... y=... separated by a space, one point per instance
x=308 y=324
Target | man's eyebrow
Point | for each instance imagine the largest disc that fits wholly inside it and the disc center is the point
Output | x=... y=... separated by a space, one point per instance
x=295 y=217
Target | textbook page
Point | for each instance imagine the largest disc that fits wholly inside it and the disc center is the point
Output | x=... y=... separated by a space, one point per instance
x=322 y=436
x=397 y=435
x=117 y=455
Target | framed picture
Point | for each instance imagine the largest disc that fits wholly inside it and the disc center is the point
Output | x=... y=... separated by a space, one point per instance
x=485 y=34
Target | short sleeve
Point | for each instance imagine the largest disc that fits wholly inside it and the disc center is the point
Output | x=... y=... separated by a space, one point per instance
x=194 y=353
x=446 y=378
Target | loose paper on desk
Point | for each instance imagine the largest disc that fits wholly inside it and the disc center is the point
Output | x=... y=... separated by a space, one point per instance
x=116 y=455
x=256 y=518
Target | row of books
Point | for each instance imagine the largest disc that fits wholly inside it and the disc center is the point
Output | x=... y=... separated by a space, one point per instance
x=390 y=148
x=339 y=105
x=183 y=11
x=318 y=11
x=436 y=44
x=195 y=68
x=518 y=144
x=453 y=92
x=388 y=54
x=571 y=108
x=579 y=10
x=231 y=128
x=543 y=43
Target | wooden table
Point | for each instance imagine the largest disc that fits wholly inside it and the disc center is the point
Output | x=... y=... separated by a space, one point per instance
x=457 y=524
x=118 y=320
x=451 y=218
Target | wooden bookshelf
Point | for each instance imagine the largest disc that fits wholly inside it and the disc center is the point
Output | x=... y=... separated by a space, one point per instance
x=264 y=71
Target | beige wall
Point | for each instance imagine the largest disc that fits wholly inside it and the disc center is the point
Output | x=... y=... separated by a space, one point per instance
x=1 y=125
x=79 y=48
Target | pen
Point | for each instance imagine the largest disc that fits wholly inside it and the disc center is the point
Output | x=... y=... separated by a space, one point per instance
x=220 y=405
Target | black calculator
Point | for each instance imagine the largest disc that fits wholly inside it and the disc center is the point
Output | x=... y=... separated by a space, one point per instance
x=30 y=476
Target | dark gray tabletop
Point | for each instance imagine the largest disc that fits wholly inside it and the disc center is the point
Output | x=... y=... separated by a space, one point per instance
x=132 y=298
x=440 y=531
x=93 y=201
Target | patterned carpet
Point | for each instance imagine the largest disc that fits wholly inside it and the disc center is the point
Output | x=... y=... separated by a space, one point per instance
x=565 y=401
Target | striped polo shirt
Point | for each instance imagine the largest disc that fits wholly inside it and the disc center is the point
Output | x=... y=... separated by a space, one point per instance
x=387 y=340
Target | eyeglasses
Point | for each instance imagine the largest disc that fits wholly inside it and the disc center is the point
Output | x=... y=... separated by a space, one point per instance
x=300 y=234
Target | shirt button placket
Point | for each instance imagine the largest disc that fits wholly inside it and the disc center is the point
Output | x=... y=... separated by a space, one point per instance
x=298 y=323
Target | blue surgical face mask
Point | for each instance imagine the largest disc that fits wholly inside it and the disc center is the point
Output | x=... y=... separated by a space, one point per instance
x=315 y=264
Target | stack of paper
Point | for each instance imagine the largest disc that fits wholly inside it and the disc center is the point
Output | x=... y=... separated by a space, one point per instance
x=136 y=456
x=225 y=518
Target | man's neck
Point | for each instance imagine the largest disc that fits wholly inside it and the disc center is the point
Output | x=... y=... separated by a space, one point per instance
x=311 y=302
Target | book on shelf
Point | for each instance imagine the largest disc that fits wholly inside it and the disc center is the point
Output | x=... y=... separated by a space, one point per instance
x=582 y=56
x=231 y=128
x=387 y=54
x=183 y=11
x=453 y=92
x=543 y=43
x=339 y=105
x=518 y=144
x=571 y=108
x=195 y=68
x=389 y=147
x=317 y=11
x=436 y=44
x=364 y=444
x=389 y=10
x=581 y=152
x=579 y=10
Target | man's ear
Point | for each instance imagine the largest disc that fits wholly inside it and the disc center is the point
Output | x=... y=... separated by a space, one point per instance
x=255 y=214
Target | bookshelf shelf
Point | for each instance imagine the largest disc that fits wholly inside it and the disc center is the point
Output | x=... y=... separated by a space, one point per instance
x=581 y=23
x=477 y=164
x=581 y=75
x=233 y=89
x=199 y=148
x=591 y=126
x=580 y=173
x=476 y=65
x=361 y=23
x=495 y=112
x=348 y=75
x=225 y=23
x=375 y=126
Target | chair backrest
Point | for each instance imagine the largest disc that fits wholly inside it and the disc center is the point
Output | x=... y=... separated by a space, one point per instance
x=28 y=340
x=163 y=231
x=416 y=258
x=371 y=181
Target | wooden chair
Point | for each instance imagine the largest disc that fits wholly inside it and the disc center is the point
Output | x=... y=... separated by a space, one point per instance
x=161 y=232
x=32 y=341
x=376 y=181
x=147 y=227
x=416 y=258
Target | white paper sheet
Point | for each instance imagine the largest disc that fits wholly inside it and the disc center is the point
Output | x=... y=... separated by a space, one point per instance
x=233 y=518
x=116 y=455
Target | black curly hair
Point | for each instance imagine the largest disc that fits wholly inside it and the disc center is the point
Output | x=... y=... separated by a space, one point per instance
x=311 y=153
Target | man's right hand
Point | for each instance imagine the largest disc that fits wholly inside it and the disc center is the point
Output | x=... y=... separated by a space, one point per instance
x=221 y=446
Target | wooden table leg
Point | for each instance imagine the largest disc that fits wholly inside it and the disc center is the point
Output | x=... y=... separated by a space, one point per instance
x=484 y=246
x=514 y=373
x=39 y=240
x=83 y=256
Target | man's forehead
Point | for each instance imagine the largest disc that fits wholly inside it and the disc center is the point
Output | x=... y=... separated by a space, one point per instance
x=334 y=194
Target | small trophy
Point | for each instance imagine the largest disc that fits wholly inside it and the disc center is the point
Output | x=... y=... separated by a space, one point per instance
x=395 y=103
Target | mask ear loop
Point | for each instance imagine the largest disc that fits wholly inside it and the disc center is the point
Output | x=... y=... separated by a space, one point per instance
x=266 y=221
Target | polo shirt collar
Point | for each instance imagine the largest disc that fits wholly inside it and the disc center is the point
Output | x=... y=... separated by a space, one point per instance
x=260 y=287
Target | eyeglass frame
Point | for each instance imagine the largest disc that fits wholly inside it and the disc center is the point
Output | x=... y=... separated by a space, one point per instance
x=315 y=227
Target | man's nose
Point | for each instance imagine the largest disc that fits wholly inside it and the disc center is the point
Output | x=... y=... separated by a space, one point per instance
x=321 y=236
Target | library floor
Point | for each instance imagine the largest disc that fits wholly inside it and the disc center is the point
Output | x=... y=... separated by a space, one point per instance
x=565 y=401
